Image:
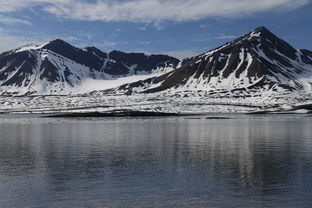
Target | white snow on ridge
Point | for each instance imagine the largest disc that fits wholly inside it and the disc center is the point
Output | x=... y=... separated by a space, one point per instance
x=31 y=46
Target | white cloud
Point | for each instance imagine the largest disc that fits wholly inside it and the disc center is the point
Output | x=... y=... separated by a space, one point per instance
x=105 y=44
x=203 y=26
x=144 y=42
x=11 y=20
x=200 y=39
x=225 y=37
x=10 y=42
x=17 y=5
x=150 y=10
x=142 y=28
x=88 y=85
x=11 y=39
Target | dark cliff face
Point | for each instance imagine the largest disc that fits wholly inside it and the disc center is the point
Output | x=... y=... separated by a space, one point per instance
x=123 y=62
x=259 y=55
x=17 y=68
x=306 y=56
x=86 y=58
x=119 y=63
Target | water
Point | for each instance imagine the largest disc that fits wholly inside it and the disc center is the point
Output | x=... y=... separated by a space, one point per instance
x=248 y=161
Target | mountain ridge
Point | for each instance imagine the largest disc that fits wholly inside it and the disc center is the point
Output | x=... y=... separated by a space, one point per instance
x=56 y=66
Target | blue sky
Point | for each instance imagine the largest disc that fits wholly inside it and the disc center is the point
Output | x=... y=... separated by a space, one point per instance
x=177 y=27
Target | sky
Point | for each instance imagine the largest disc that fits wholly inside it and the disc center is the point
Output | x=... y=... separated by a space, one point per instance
x=180 y=28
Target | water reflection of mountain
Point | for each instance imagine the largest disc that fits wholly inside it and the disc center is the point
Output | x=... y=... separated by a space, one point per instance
x=17 y=156
x=254 y=157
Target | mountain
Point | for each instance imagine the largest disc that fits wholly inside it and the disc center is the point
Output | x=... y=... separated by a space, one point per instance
x=258 y=64
x=56 y=67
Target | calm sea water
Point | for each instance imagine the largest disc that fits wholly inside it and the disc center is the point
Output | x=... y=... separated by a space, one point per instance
x=247 y=161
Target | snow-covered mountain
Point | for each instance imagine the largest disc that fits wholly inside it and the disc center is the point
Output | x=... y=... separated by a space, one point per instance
x=258 y=64
x=57 y=67
x=256 y=69
x=256 y=72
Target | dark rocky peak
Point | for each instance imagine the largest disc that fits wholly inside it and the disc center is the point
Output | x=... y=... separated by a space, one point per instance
x=76 y=54
x=145 y=60
x=259 y=33
x=264 y=39
x=263 y=31
x=124 y=55
x=59 y=46
x=128 y=58
x=259 y=40
x=116 y=53
x=97 y=52
x=139 y=62
x=93 y=49
x=58 y=41
x=259 y=36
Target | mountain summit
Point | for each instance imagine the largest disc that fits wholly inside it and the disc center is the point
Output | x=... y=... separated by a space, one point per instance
x=255 y=65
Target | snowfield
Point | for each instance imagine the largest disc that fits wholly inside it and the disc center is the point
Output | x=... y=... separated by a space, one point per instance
x=184 y=102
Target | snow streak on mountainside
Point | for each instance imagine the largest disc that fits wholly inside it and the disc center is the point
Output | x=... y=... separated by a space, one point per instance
x=57 y=67
x=258 y=64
